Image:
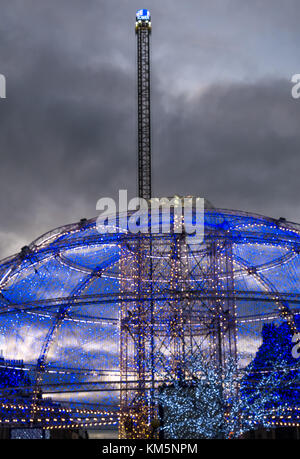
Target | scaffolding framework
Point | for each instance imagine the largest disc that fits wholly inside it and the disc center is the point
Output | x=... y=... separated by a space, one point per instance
x=168 y=324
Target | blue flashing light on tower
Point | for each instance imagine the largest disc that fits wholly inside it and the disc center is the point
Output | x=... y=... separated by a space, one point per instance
x=143 y=19
x=143 y=15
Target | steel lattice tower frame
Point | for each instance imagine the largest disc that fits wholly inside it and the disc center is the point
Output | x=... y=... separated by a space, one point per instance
x=142 y=339
x=134 y=406
x=143 y=31
x=136 y=409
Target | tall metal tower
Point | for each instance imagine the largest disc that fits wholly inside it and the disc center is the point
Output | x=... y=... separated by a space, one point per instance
x=164 y=321
x=135 y=347
x=143 y=31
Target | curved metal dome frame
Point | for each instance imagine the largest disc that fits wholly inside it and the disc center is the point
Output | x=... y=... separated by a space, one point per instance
x=67 y=286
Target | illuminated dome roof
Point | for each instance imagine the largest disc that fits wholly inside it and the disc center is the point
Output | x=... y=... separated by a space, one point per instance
x=61 y=295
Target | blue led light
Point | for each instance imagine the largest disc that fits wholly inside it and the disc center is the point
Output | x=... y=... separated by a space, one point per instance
x=143 y=15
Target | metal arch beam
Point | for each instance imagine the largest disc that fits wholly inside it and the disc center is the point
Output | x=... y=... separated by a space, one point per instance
x=63 y=310
x=99 y=240
x=58 y=233
x=85 y=300
x=118 y=238
x=5 y=300
x=72 y=228
x=263 y=267
x=15 y=265
x=51 y=333
x=54 y=236
x=295 y=227
x=55 y=254
x=47 y=252
x=284 y=309
x=273 y=263
x=64 y=260
x=18 y=268
x=38 y=257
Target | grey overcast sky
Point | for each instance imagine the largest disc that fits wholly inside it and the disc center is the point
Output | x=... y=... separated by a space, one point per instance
x=225 y=126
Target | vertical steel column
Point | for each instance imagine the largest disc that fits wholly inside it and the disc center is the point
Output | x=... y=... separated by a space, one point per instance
x=223 y=332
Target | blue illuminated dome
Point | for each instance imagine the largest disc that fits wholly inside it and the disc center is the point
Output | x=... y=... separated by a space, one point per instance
x=62 y=298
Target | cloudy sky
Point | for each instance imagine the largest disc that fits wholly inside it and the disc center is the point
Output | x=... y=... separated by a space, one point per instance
x=225 y=126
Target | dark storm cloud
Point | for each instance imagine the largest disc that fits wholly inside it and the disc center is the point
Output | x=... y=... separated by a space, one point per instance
x=224 y=124
x=255 y=169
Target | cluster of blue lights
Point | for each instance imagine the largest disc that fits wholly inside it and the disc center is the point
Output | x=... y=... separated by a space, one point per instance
x=143 y=15
x=60 y=307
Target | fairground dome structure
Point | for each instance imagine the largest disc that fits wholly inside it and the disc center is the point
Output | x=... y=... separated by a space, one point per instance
x=92 y=324
x=84 y=316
